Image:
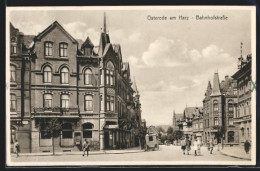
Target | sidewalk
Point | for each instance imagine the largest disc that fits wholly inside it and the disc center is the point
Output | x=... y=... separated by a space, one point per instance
x=236 y=151
x=122 y=151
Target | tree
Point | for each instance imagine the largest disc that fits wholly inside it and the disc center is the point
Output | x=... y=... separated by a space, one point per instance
x=169 y=130
x=50 y=127
x=163 y=138
x=177 y=135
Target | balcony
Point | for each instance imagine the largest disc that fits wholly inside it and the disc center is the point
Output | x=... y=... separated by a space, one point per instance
x=55 y=112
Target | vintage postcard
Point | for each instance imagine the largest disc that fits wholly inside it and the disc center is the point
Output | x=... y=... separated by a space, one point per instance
x=136 y=85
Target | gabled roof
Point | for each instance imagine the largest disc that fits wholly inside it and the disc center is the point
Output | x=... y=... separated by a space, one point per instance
x=88 y=43
x=216 y=86
x=191 y=111
x=51 y=27
x=178 y=116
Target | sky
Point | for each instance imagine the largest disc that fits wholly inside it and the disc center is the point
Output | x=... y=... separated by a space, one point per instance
x=171 y=60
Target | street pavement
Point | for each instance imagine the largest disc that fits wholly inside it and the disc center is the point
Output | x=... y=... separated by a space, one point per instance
x=165 y=153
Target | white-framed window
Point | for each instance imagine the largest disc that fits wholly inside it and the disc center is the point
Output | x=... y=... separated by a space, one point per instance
x=47 y=75
x=13 y=103
x=88 y=101
x=230 y=121
x=47 y=100
x=110 y=74
x=12 y=73
x=108 y=103
x=65 y=101
x=230 y=106
x=216 y=121
x=64 y=75
x=112 y=103
x=13 y=45
x=48 y=48
x=215 y=105
x=63 y=49
x=87 y=130
x=88 y=77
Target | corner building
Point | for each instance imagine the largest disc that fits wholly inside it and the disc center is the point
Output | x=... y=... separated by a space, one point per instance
x=88 y=87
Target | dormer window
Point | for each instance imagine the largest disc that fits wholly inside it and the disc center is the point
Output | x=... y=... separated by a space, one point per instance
x=63 y=49
x=48 y=48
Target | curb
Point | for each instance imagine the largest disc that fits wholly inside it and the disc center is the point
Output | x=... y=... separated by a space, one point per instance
x=225 y=154
x=62 y=154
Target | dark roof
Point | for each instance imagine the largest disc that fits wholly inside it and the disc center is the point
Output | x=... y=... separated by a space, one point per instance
x=51 y=27
x=216 y=86
x=191 y=111
x=87 y=42
x=178 y=116
x=225 y=85
x=104 y=40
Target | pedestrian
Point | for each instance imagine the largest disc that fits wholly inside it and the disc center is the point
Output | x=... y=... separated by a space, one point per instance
x=183 y=145
x=195 y=145
x=199 y=145
x=208 y=145
x=85 y=147
x=247 y=146
x=211 y=145
x=219 y=142
x=188 y=144
x=16 y=148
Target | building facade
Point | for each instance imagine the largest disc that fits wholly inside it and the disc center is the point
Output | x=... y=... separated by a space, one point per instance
x=242 y=116
x=88 y=87
x=219 y=108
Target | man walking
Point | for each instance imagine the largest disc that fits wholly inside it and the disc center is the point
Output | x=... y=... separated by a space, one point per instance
x=85 y=147
x=247 y=146
x=211 y=145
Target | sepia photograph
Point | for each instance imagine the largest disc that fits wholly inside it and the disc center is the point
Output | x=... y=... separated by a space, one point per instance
x=130 y=85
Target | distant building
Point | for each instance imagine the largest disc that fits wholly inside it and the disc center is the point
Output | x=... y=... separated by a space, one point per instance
x=176 y=118
x=242 y=116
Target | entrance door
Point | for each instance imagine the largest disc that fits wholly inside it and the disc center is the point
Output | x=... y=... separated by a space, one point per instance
x=106 y=137
x=231 y=136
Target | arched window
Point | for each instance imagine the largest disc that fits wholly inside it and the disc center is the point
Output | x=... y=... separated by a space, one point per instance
x=67 y=130
x=63 y=49
x=215 y=105
x=65 y=101
x=88 y=77
x=87 y=130
x=64 y=75
x=47 y=100
x=110 y=73
x=47 y=75
x=230 y=106
x=88 y=101
x=13 y=103
x=13 y=73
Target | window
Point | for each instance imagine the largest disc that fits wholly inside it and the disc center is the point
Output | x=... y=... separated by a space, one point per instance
x=13 y=103
x=230 y=107
x=110 y=74
x=231 y=136
x=88 y=76
x=13 y=73
x=215 y=106
x=235 y=92
x=45 y=135
x=87 y=130
x=216 y=121
x=88 y=103
x=63 y=49
x=64 y=75
x=230 y=121
x=48 y=48
x=67 y=131
x=47 y=76
x=65 y=101
x=242 y=132
x=110 y=103
x=150 y=138
x=47 y=101
x=13 y=46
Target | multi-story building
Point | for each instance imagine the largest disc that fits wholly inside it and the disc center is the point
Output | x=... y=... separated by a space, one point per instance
x=177 y=117
x=218 y=109
x=242 y=116
x=87 y=87
x=197 y=124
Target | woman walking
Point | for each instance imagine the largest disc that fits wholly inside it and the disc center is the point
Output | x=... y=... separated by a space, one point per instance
x=16 y=148
x=211 y=145
x=195 y=145
x=188 y=144
x=183 y=145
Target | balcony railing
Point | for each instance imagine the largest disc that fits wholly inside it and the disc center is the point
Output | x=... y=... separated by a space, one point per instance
x=59 y=111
